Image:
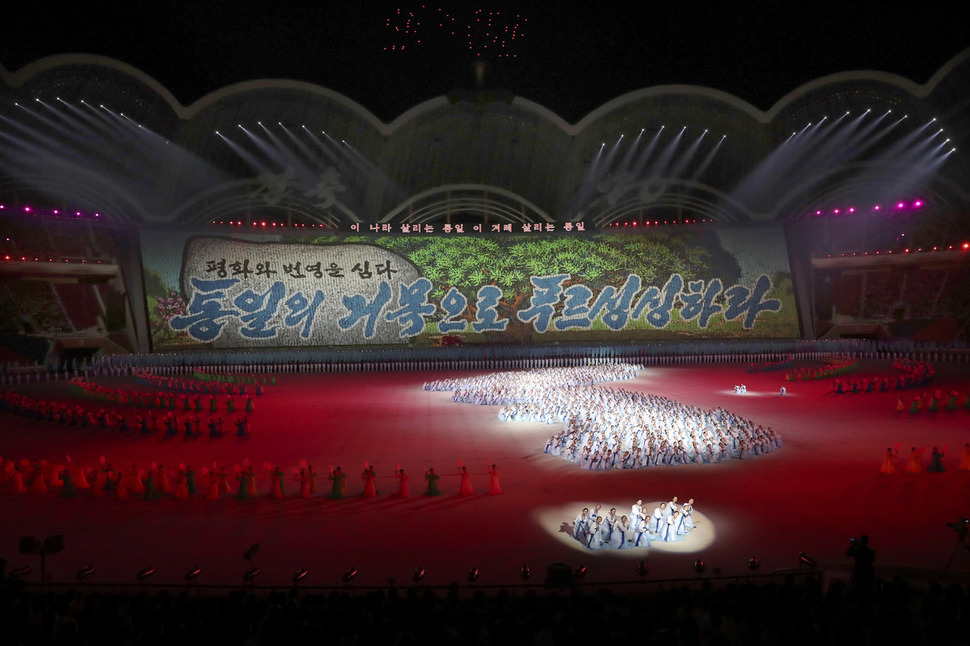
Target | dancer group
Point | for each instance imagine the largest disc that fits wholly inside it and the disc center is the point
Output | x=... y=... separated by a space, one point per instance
x=613 y=428
x=338 y=482
x=914 y=461
x=598 y=530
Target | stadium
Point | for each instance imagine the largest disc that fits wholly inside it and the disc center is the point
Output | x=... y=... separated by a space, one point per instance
x=277 y=258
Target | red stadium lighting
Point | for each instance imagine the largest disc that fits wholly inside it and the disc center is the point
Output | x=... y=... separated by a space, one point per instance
x=965 y=246
x=900 y=205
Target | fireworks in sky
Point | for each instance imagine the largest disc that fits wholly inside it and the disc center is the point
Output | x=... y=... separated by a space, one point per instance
x=484 y=32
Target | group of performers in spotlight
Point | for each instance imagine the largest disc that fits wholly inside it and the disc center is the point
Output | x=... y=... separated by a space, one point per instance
x=598 y=530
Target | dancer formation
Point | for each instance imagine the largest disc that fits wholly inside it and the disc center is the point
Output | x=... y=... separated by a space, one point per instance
x=613 y=428
x=70 y=479
x=198 y=403
x=668 y=523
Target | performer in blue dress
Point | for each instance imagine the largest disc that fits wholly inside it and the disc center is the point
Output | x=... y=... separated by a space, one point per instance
x=581 y=526
x=686 y=517
x=618 y=535
x=641 y=531
x=595 y=539
x=659 y=516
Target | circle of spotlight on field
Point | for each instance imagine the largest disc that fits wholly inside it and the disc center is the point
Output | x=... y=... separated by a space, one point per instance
x=606 y=428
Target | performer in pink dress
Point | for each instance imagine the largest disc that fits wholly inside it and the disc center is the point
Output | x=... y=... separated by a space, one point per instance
x=213 y=493
x=888 y=462
x=913 y=466
x=161 y=480
x=304 y=481
x=465 y=489
x=18 y=481
x=493 y=483
x=403 y=491
x=251 y=480
x=312 y=476
x=181 y=487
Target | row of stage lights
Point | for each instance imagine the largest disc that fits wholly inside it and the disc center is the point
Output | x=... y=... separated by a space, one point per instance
x=263 y=224
x=602 y=145
x=280 y=124
x=648 y=223
x=79 y=261
x=662 y=127
x=250 y=576
x=898 y=207
x=960 y=247
x=558 y=572
x=101 y=106
x=52 y=213
x=868 y=110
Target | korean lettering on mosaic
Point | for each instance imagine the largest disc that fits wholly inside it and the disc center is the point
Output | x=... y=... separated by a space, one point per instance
x=293 y=297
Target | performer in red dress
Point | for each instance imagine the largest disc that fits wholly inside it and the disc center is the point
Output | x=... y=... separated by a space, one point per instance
x=888 y=462
x=276 y=483
x=370 y=485
x=304 y=481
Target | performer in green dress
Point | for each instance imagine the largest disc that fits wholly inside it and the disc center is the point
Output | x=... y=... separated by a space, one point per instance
x=432 y=479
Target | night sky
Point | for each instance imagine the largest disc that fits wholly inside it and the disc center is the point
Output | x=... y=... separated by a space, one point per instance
x=568 y=56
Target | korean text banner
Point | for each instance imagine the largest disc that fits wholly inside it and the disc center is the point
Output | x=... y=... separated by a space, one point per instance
x=268 y=291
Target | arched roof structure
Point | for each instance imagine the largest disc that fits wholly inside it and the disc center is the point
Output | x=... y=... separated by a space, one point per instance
x=91 y=132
